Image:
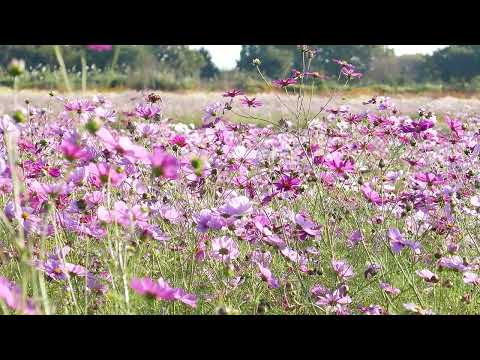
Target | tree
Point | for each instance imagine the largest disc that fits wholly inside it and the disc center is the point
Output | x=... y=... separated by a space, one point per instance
x=276 y=62
x=457 y=62
x=209 y=70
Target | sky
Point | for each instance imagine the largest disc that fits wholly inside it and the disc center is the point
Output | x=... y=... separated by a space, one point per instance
x=225 y=56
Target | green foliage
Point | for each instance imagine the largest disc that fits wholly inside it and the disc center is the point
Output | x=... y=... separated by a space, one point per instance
x=276 y=60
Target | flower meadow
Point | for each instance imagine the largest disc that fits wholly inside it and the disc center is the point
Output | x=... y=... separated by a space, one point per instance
x=325 y=211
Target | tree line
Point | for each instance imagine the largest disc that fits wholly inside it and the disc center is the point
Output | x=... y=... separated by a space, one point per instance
x=456 y=63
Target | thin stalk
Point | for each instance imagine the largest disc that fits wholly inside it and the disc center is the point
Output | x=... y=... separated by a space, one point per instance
x=63 y=69
x=83 y=59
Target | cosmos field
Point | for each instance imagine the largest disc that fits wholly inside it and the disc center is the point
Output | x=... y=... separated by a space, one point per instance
x=314 y=207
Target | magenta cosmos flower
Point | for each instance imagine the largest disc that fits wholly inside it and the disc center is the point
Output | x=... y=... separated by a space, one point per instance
x=72 y=151
x=178 y=140
x=371 y=195
x=339 y=165
x=287 y=183
x=224 y=249
x=164 y=164
x=351 y=73
x=284 y=82
x=103 y=173
x=455 y=126
x=100 y=48
x=233 y=93
x=161 y=290
x=253 y=102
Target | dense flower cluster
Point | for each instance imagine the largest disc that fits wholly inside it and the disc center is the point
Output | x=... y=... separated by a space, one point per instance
x=355 y=213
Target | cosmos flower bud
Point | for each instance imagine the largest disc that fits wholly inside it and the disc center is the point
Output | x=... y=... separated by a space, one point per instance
x=256 y=62
x=93 y=125
x=16 y=67
x=381 y=164
x=197 y=165
x=19 y=117
x=226 y=310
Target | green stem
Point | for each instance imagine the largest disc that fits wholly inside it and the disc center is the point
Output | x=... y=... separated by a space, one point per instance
x=83 y=59
x=15 y=91
x=63 y=69
x=116 y=54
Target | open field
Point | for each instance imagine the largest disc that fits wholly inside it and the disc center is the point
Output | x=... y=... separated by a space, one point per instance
x=188 y=106
x=111 y=207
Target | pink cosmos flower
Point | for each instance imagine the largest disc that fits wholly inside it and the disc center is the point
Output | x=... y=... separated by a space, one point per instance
x=103 y=173
x=11 y=294
x=164 y=164
x=161 y=290
x=207 y=219
x=233 y=93
x=147 y=130
x=453 y=262
x=284 y=82
x=251 y=103
x=427 y=275
x=372 y=310
x=124 y=215
x=122 y=145
x=351 y=73
x=342 y=63
x=100 y=48
x=79 y=106
x=471 y=278
x=306 y=226
x=287 y=183
x=430 y=179
x=390 y=289
x=224 y=249
x=354 y=239
x=212 y=111
x=417 y=126
x=455 y=126
x=371 y=195
x=343 y=270
x=398 y=242
x=237 y=206
x=266 y=275
x=333 y=301
x=178 y=140
x=338 y=164
x=147 y=111
x=72 y=151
